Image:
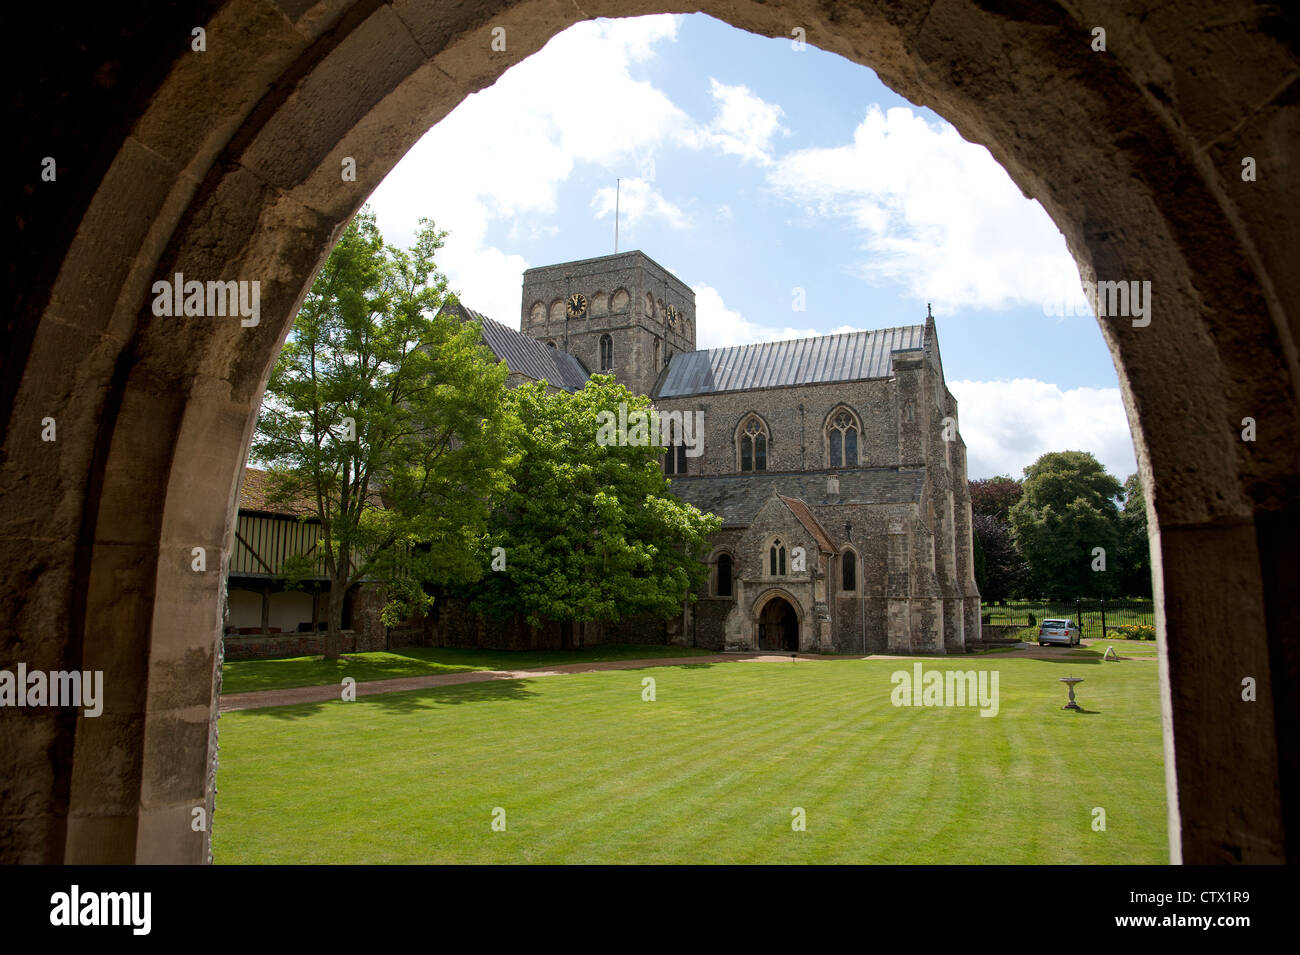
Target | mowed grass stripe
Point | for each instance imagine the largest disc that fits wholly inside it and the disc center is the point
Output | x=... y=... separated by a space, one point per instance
x=587 y=771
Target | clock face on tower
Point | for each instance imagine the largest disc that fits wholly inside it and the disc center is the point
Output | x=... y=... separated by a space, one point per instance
x=673 y=315
x=577 y=305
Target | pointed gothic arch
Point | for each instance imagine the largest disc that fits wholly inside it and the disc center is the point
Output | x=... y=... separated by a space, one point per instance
x=842 y=438
x=753 y=440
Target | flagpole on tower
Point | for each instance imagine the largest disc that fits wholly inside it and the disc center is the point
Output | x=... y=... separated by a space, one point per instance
x=617 y=187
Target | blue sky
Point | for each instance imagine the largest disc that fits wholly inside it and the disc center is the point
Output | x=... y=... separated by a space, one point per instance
x=753 y=170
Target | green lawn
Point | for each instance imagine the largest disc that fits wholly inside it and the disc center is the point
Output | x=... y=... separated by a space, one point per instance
x=1125 y=648
x=242 y=676
x=709 y=772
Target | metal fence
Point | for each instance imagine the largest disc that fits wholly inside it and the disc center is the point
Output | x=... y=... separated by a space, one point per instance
x=1096 y=617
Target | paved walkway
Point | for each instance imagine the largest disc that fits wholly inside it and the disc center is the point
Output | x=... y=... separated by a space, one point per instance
x=260 y=699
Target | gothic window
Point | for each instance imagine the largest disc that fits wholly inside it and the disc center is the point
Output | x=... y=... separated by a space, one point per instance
x=606 y=353
x=752 y=440
x=722 y=587
x=848 y=571
x=675 y=455
x=842 y=431
x=776 y=559
x=656 y=354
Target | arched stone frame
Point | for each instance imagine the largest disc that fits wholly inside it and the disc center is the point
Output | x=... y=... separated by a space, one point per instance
x=714 y=557
x=737 y=436
x=537 y=313
x=649 y=305
x=244 y=180
x=606 y=361
x=618 y=301
x=857 y=570
x=766 y=597
x=556 y=311
x=598 y=304
x=830 y=428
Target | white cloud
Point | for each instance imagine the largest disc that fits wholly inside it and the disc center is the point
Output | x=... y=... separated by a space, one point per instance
x=503 y=152
x=938 y=215
x=637 y=200
x=744 y=123
x=717 y=326
x=1008 y=424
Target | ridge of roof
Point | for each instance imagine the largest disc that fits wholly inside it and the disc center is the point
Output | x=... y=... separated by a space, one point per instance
x=527 y=356
x=805 y=516
x=820 y=359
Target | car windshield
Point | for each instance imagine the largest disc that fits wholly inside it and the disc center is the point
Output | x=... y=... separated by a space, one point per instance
x=1056 y=623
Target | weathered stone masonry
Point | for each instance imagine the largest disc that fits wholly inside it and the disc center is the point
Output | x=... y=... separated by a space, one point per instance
x=891 y=499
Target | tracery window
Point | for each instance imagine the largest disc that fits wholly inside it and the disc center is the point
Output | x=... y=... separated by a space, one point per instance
x=606 y=353
x=842 y=439
x=752 y=439
x=776 y=559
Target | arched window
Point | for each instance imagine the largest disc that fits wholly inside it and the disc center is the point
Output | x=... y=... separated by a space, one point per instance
x=848 y=571
x=752 y=440
x=606 y=353
x=776 y=559
x=656 y=354
x=722 y=586
x=675 y=454
x=842 y=431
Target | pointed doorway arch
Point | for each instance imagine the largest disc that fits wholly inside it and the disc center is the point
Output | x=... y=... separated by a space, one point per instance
x=776 y=624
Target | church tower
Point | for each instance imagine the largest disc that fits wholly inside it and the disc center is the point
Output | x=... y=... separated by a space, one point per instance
x=623 y=315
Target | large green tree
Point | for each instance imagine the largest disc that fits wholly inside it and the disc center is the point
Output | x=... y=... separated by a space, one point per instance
x=1068 y=510
x=590 y=530
x=391 y=419
x=1134 y=544
x=1000 y=571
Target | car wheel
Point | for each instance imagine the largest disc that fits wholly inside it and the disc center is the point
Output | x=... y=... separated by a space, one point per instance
x=1041 y=644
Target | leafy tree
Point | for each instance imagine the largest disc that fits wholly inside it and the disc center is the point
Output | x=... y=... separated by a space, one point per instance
x=391 y=419
x=1134 y=546
x=590 y=531
x=1005 y=572
x=1068 y=509
x=995 y=496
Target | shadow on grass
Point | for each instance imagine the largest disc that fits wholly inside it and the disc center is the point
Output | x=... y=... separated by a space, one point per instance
x=251 y=676
x=409 y=701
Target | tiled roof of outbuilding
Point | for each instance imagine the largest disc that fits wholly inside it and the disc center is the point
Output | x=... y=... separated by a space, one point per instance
x=736 y=498
x=852 y=356
x=253 y=497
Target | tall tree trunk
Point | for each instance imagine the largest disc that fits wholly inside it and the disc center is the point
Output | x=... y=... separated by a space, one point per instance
x=333 y=636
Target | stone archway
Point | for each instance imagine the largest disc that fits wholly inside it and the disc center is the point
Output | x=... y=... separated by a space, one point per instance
x=777 y=623
x=226 y=164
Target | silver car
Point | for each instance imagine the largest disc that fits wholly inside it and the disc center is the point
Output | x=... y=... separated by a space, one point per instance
x=1058 y=630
